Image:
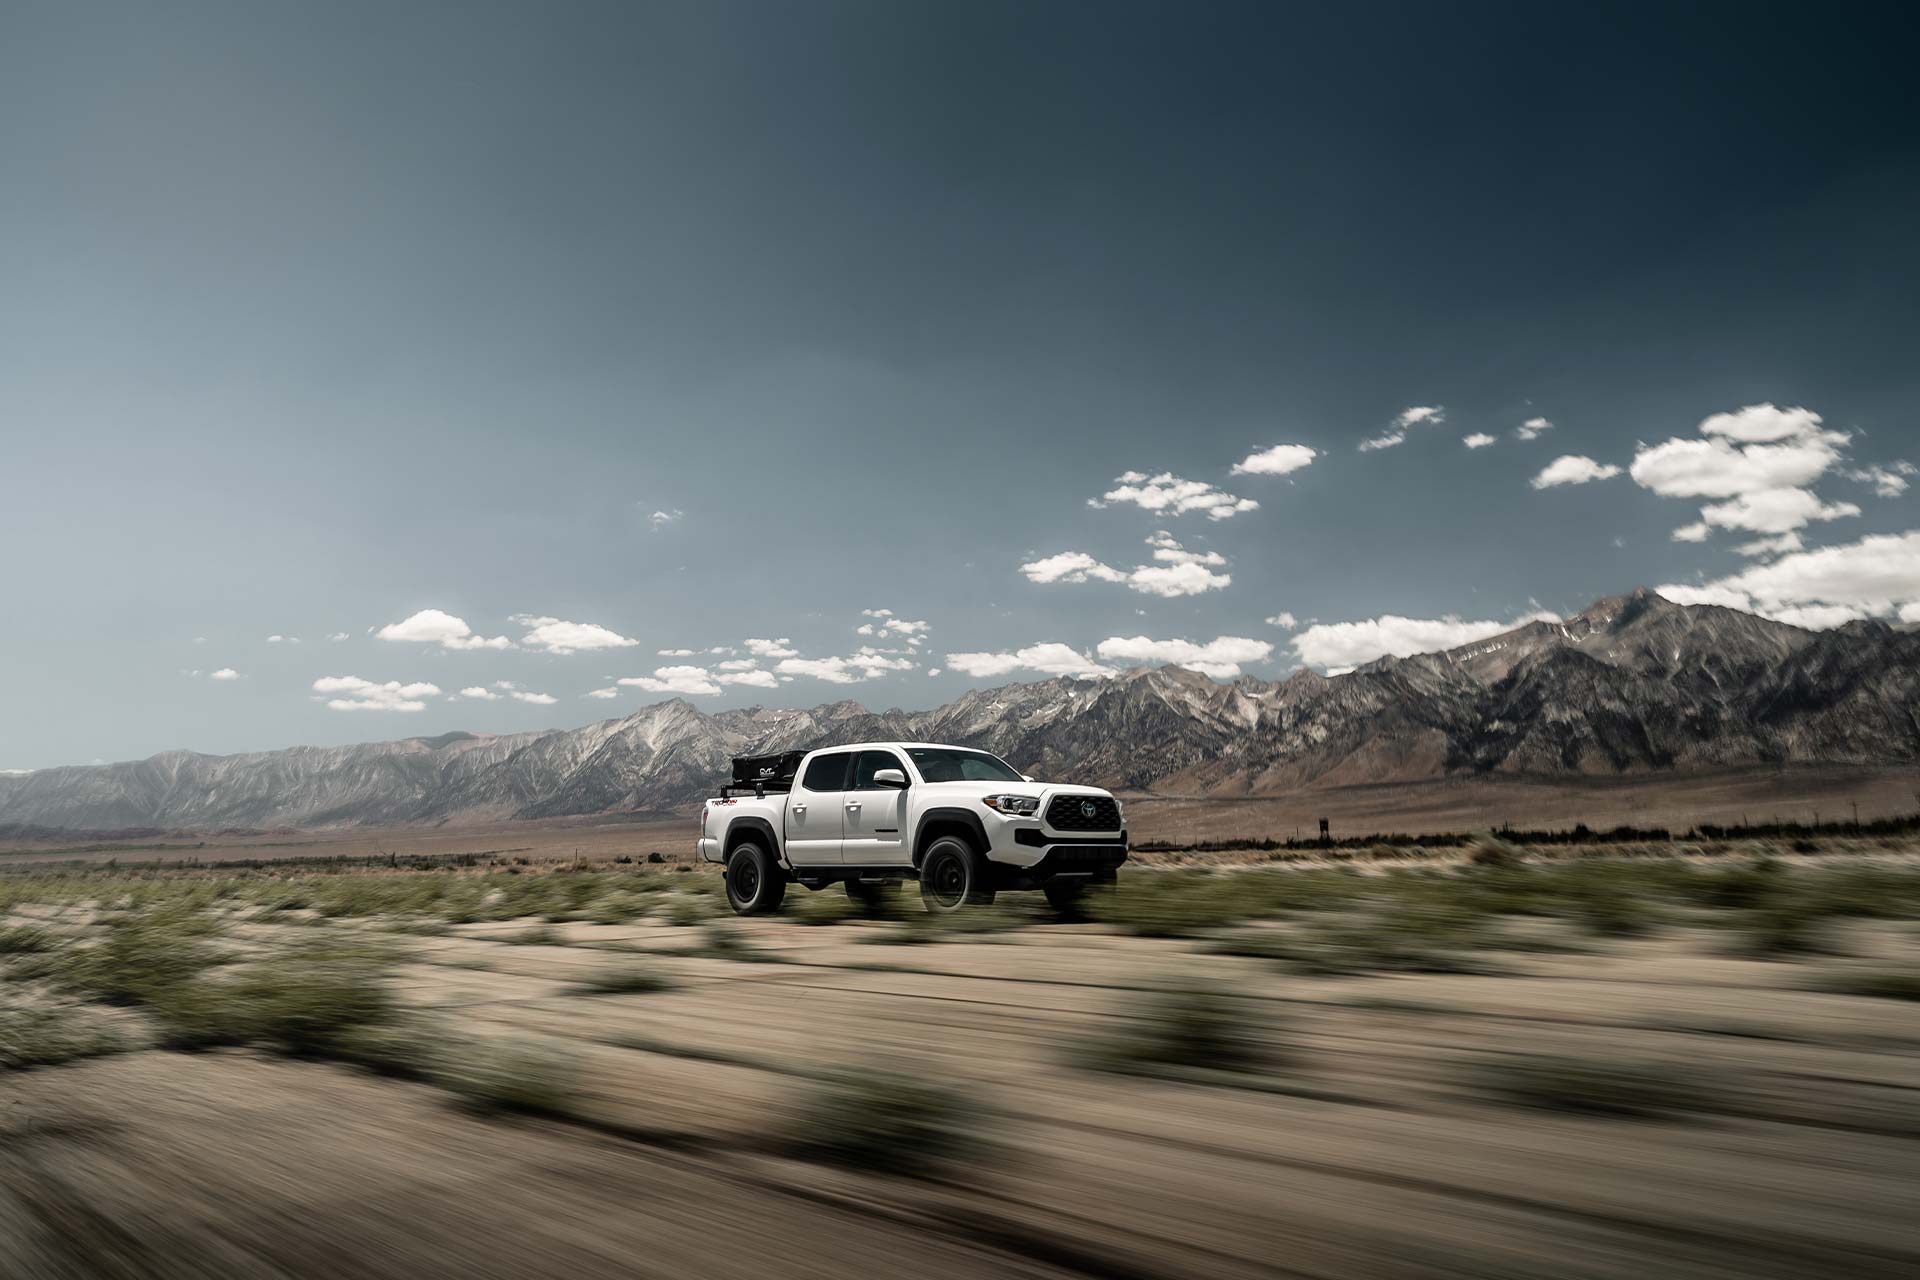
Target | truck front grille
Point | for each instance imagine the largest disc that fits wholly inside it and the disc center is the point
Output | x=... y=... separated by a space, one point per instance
x=1083 y=813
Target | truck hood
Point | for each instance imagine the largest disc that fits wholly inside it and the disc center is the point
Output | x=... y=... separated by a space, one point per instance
x=974 y=790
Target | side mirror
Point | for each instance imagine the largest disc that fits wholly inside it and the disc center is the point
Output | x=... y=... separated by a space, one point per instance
x=892 y=778
x=1027 y=777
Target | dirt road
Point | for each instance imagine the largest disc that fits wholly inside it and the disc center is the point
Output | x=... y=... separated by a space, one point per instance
x=1370 y=1147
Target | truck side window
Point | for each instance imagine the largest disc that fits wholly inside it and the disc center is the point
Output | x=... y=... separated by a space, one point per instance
x=827 y=773
x=869 y=763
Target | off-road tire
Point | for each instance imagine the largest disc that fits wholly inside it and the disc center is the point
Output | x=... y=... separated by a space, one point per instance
x=755 y=883
x=953 y=876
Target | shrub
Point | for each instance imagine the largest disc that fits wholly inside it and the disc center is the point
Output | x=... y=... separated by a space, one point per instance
x=1883 y=984
x=302 y=1002
x=41 y=1037
x=1193 y=1028
x=688 y=909
x=510 y=1075
x=1597 y=1088
x=25 y=940
x=624 y=978
x=1489 y=850
x=141 y=958
x=1785 y=927
x=540 y=935
x=1737 y=888
x=888 y=1121
x=407 y=1046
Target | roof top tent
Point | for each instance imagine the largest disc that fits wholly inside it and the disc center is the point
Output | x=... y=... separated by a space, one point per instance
x=766 y=773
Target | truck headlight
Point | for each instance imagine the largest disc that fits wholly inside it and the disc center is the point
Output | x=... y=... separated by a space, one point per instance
x=1015 y=806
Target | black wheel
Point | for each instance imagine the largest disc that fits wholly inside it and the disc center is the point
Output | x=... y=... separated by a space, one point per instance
x=755 y=883
x=953 y=875
x=871 y=896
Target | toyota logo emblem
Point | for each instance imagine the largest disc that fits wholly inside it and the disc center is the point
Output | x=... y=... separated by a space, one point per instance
x=1088 y=808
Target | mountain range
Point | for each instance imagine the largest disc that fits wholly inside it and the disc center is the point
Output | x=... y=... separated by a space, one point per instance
x=1634 y=684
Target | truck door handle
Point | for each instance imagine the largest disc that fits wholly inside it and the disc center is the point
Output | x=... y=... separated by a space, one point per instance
x=853 y=804
x=799 y=808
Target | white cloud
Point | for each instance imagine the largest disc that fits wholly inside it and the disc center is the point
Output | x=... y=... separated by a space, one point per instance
x=1070 y=566
x=1478 y=440
x=1168 y=550
x=1284 y=620
x=1219 y=658
x=1052 y=658
x=1698 y=531
x=432 y=626
x=756 y=679
x=1169 y=494
x=1774 y=511
x=1818 y=617
x=1758 y=460
x=1814 y=617
x=686 y=680
x=1180 y=572
x=781 y=648
x=479 y=693
x=932 y=672
x=660 y=519
x=1774 y=546
x=608 y=692
x=1188 y=578
x=1878 y=574
x=355 y=694
x=738 y=664
x=1725 y=597
x=1910 y=612
x=1682 y=468
x=537 y=699
x=1279 y=460
x=1889 y=481
x=283 y=639
x=562 y=638
x=1406 y=419
x=887 y=623
x=1351 y=644
x=225 y=673
x=337 y=635
x=674 y=653
x=866 y=664
x=1762 y=424
x=1532 y=429
x=1573 y=468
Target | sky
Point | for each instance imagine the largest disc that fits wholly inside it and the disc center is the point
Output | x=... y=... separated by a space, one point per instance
x=374 y=370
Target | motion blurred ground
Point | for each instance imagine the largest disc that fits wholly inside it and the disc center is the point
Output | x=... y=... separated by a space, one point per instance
x=1373 y=1069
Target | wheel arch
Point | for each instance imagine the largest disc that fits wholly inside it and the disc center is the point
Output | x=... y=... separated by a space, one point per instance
x=742 y=827
x=935 y=823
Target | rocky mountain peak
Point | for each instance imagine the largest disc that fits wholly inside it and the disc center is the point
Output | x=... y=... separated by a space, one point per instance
x=1632 y=683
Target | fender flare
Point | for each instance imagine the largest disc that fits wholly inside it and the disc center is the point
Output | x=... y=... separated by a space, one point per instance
x=944 y=817
x=745 y=825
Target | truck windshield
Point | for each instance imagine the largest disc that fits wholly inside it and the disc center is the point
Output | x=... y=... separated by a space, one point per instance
x=942 y=764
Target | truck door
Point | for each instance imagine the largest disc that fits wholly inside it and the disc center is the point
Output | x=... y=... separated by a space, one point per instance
x=816 y=809
x=875 y=814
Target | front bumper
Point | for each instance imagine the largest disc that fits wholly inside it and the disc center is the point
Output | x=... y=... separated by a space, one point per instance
x=1031 y=850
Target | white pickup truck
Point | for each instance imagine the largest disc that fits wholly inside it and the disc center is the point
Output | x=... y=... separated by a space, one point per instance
x=869 y=815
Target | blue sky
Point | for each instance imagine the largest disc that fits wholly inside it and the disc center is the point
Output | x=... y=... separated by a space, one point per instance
x=545 y=339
